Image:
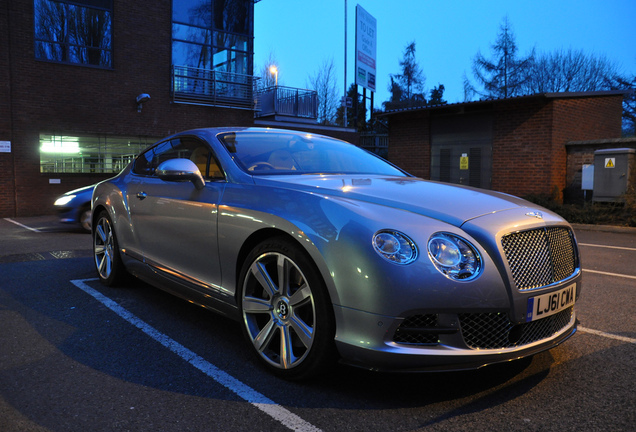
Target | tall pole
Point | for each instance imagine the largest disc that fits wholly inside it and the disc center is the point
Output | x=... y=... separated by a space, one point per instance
x=345 y=69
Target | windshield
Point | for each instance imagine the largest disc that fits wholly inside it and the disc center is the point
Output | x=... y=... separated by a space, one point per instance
x=273 y=152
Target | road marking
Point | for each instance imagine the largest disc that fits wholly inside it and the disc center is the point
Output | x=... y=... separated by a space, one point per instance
x=23 y=226
x=607 y=247
x=269 y=407
x=607 y=335
x=610 y=274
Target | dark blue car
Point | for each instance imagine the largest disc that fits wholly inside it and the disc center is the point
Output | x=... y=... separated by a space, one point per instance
x=75 y=207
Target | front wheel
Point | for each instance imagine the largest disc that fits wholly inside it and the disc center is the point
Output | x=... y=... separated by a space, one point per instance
x=108 y=262
x=287 y=315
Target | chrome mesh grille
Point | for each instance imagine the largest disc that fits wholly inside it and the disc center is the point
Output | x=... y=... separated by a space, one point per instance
x=495 y=331
x=417 y=330
x=540 y=257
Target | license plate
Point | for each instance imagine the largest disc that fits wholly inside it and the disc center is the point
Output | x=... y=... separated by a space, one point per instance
x=549 y=304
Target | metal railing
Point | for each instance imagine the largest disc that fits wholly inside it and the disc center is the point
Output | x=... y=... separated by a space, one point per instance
x=287 y=101
x=214 y=88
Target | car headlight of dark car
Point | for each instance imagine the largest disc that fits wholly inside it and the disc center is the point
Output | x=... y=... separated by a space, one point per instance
x=63 y=200
x=454 y=256
x=395 y=247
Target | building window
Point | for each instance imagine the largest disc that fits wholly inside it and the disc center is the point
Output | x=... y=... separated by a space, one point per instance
x=88 y=153
x=212 y=50
x=75 y=32
x=213 y=34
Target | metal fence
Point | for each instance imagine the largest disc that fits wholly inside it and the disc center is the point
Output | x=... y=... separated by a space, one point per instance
x=215 y=88
x=287 y=101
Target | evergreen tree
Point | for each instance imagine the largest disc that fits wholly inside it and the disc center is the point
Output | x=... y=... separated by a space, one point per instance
x=407 y=87
x=505 y=74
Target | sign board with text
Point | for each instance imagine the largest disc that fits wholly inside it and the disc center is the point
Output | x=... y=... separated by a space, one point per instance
x=366 y=45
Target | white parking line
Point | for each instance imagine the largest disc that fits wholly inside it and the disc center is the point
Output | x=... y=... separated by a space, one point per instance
x=23 y=226
x=607 y=335
x=277 y=412
x=607 y=247
x=610 y=274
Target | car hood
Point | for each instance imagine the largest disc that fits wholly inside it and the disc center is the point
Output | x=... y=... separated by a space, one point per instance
x=452 y=204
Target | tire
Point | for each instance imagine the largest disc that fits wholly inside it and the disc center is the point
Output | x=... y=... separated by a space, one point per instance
x=107 y=260
x=85 y=218
x=289 y=324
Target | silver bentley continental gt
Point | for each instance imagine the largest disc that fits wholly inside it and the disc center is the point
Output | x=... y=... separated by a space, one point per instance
x=324 y=252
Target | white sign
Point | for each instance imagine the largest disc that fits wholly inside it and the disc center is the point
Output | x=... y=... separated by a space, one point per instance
x=610 y=162
x=366 y=44
x=587 y=177
x=5 y=146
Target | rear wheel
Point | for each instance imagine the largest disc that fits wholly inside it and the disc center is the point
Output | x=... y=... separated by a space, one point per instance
x=287 y=315
x=106 y=252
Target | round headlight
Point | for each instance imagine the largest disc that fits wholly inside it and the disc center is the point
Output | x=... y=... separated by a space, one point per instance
x=395 y=247
x=454 y=256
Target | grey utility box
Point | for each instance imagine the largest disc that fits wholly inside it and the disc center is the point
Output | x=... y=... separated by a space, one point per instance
x=614 y=171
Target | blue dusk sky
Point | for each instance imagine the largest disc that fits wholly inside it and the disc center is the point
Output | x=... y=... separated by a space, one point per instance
x=303 y=34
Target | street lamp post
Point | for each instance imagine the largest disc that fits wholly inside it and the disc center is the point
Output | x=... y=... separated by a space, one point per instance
x=274 y=71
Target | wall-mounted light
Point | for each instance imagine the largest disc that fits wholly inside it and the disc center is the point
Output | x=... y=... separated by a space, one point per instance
x=144 y=97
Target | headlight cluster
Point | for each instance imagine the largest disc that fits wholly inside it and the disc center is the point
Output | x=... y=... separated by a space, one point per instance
x=454 y=257
x=63 y=200
x=395 y=247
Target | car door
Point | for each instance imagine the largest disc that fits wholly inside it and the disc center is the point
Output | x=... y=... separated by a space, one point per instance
x=174 y=222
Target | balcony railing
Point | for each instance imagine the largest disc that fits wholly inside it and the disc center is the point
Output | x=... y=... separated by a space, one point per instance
x=287 y=102
x=214 y=88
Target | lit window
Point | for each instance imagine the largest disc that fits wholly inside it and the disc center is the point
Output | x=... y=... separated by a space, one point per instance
x=88 y=153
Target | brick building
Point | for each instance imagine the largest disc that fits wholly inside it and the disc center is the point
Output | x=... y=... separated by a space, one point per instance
x=517 y=145
x=71 y=72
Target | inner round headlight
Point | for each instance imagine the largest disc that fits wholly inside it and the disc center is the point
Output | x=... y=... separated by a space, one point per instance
x=454 y=256
x=395 y=247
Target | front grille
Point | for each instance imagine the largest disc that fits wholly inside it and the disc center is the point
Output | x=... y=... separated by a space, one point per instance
x=540 y=257
x=495 y=331
x=417 y=330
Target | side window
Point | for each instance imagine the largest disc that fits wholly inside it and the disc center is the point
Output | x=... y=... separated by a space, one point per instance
x=184 y=147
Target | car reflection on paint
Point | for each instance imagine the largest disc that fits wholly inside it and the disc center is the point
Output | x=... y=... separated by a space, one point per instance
x=74 y=207
x=324 y=252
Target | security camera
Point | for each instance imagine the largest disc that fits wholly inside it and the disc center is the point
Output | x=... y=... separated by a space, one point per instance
x=144 y=97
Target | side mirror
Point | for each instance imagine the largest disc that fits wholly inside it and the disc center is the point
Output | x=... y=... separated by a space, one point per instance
x=180 y=170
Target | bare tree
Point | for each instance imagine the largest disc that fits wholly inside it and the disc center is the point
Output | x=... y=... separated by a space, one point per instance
x=325 y=83
x=570 y=71
x=505 y=75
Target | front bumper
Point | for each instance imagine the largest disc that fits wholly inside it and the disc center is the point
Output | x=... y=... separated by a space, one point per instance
x=452 y=342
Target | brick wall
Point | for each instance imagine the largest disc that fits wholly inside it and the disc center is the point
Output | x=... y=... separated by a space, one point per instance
x=7 y=201
x=529 y=138
x=44 y=97
x=410 y=143
x=521 y=149
x=592 y=118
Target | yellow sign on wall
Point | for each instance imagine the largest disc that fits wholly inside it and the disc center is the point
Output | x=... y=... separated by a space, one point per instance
x=610 y=162
x=463 y=162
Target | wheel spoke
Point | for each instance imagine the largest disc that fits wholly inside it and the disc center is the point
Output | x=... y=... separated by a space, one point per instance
x=253 y=305
x=305 y=333
x=264 y=337
x=286 y=353
x=283 y=267
x=259 y=271
x=301 y=296
x=100 y=231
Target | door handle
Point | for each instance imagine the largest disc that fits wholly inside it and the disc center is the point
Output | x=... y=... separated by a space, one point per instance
x=141 y=195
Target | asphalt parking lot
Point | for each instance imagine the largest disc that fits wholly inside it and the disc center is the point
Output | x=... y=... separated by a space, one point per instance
x=77 y=356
